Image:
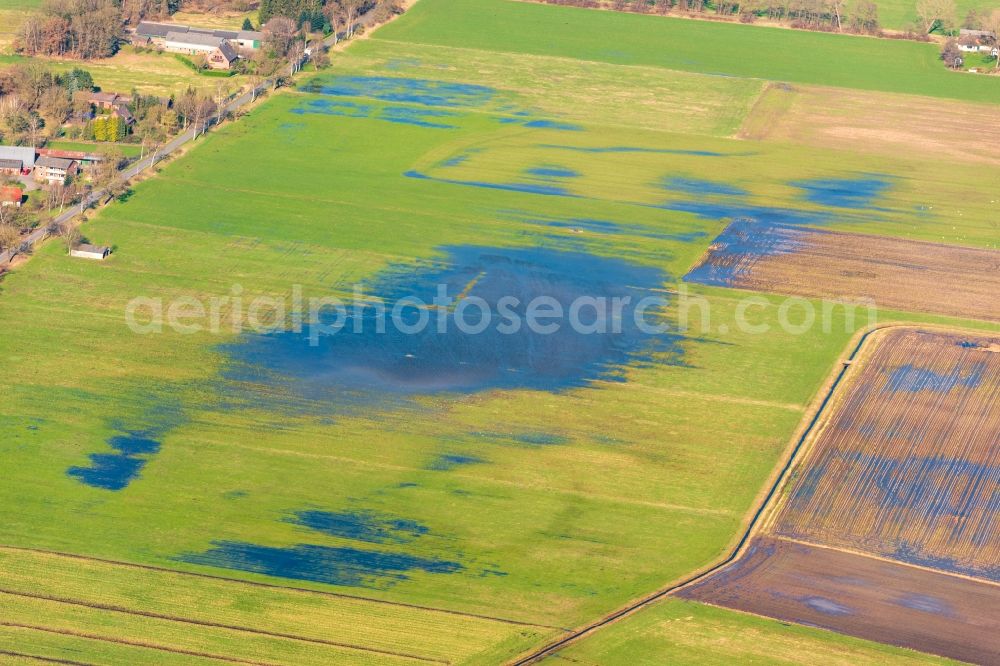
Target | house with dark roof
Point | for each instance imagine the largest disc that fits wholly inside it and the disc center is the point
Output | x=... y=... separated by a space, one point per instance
x=222 y=57
x=219 y=53
x=151 y=30
x=159 y=34
x=15 y=160
x=55 y=169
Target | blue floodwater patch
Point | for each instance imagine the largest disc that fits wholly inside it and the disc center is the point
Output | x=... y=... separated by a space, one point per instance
x=913 y=554
x=735 y=251
x=925 y=603
x=700 y=186
x=530 y=439
x=409 y=115
x=843 y=192
x=360 y=525
x=712 y=210
x=605 y=227
x=459 y=159
x=334 y=108
x=553 y=124
x=109 y=471
x=550 y=171
x=526 y=188
x=449 y=461
x=137 y=442
x=640 y=149
x=826 y=606
x=913 y=379
x=115 y=471
x=359 y=364
x=349 y=567
x=939 y=492
x=400 y=89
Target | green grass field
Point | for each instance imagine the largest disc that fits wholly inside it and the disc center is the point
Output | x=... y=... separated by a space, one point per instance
x=555 y=506
x=901 y=14
x=693 y=46
x=151 y=73
x=12 y=14
x=128 y=150
x=681 y=632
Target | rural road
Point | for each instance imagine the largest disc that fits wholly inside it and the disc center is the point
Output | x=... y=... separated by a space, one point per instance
x=130 y=171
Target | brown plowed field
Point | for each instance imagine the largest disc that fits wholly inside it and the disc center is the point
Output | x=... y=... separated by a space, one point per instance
x=888 y=529
x=892 y=273
x=862 y=596
x=909 y=465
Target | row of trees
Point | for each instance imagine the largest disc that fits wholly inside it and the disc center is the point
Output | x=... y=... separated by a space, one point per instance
x=76 y=28
x=34 y=102
x=106 y=128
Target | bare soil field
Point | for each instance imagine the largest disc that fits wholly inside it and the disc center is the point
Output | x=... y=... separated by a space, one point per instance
x=907 y=275
x=854 y=594
x=887 y=528
x=875 y=122
x=908 y=467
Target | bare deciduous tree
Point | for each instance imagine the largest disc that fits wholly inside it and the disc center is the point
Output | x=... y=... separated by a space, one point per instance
x=936 y=13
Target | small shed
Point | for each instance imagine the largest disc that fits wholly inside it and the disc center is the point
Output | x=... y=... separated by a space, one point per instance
x=86 y=251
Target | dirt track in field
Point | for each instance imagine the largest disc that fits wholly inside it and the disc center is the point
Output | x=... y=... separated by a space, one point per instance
x=861 y=596
x=215 y=625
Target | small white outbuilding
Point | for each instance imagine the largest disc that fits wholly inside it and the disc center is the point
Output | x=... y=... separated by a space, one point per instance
x=85 y=251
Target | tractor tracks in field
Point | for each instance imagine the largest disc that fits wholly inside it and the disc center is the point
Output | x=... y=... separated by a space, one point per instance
x=44 y=660
x=216 y=625
x=274 y=586
x=812 y=420
x=130 y=643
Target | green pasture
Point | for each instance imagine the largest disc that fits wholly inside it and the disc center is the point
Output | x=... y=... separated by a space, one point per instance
x=128 y=150
x=683 y=632
x=902 y=14
x=150 y=72
x=720 y=49
x=654 y=475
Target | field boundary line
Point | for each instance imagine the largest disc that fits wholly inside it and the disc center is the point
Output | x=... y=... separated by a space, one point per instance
x=799 y=439
x=47 y=660
x=123 y=641
x=274 y=586
x=215 y=625
x=887 y=560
